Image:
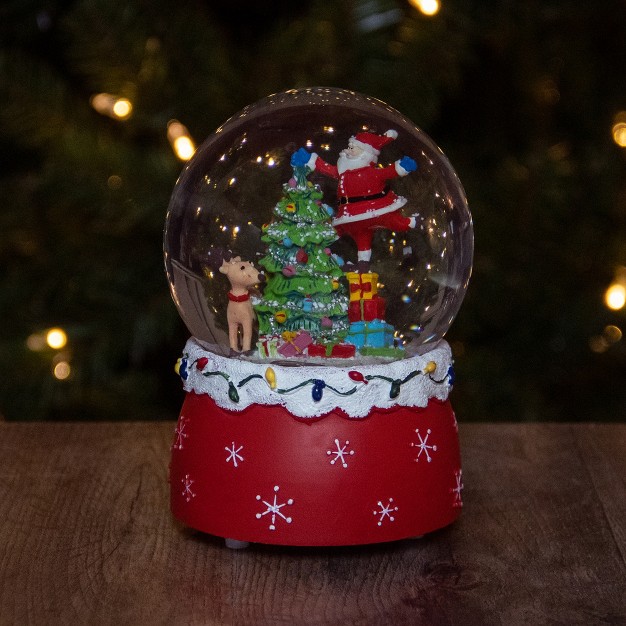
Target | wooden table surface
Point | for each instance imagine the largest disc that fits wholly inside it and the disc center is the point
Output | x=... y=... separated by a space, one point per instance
x=86 y=537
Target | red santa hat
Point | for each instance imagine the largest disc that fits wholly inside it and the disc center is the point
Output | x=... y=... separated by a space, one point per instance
x=374 y=143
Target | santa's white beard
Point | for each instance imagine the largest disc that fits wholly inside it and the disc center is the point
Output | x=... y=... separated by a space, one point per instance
x=345 y=162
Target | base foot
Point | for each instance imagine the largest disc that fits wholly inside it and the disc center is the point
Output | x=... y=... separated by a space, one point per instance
x=235 y=544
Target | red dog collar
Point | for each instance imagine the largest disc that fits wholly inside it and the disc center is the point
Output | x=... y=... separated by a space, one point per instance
x=243 y=298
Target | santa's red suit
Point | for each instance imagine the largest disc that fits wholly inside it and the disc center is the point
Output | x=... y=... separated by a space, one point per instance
x=365 y=201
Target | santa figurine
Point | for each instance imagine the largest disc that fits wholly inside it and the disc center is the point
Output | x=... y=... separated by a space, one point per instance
x=365 y=201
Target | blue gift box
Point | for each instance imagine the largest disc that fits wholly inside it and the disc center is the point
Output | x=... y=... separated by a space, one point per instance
x=375 y=334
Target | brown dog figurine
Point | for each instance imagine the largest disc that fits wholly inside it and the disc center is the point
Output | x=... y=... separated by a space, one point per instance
x=242 y=275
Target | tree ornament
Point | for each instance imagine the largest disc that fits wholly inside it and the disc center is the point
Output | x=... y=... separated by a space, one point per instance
x=287 y=242
x=302 y=256
x=280 y=316
x=430 y=367
x=232 y=392
x=270 y=377
x=318 y=390
x=290 y=208
x=201 y=363
x=394 y=392
x=327 y=322
x=357 y=376
x=289 y=271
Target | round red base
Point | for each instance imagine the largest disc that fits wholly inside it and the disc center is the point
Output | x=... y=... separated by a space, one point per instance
x=263 y=476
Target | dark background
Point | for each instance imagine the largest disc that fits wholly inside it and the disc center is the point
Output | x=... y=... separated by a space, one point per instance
x=521 y=95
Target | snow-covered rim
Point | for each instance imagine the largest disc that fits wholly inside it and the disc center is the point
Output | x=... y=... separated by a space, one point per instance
x=311 y=390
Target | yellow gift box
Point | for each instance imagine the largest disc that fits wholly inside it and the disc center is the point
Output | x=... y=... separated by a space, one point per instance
x=362 y=286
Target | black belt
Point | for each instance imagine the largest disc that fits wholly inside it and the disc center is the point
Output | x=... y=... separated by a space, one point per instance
x=346 y=200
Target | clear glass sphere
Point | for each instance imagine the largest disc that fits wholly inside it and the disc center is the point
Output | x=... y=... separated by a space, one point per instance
x=233 y=198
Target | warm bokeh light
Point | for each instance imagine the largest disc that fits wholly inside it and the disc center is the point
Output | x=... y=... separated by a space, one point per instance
x=122 y=108
x=56 y=338
x=184 y=148
x=36 y=342
x=112 y=106
x=62 y=370
x=615 y=296
x=427 y=7
x=619 y=134
x=180 y=140
x=612 y=333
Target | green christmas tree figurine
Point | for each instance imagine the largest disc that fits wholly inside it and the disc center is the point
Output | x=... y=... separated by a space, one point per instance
x=303 y=291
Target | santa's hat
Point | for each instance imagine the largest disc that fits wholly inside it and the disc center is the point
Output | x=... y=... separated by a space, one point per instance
x=374 y=143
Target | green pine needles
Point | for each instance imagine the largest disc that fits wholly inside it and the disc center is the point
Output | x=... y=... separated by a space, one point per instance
x=304 y=290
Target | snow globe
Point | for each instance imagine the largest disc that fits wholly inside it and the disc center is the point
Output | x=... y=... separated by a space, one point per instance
x=317 y=246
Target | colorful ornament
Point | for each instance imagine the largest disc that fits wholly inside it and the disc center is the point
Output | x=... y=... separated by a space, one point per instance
x=302 y=256
x=326 y=322
x=339 y=260
x=318 y=390
x=280 y=316
x=287 y=242
x=357 y=377
x=430 y=367
x=307 y=305
x=181 y=368
x=289 y=271
x=335 y=285
x=270 y=377
x=290 y=208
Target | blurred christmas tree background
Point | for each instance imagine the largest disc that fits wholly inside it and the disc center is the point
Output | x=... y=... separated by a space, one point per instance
x=526 y=98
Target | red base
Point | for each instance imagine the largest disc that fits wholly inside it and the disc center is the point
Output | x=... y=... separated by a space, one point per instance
x=264 y=476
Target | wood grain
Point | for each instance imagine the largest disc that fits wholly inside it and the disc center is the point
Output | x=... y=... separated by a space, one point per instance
x=86 y=537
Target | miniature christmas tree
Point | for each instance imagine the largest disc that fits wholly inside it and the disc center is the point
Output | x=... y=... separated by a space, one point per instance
x=303 y=291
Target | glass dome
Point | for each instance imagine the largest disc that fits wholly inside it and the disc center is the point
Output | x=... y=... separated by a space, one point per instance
x=265 y=188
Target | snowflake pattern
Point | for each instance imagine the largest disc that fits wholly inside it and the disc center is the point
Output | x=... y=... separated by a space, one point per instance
x=180 y=434
x=385 y=511
x=187 y=492
x=274 y=509
x=340 y=453
x=233 y=454
x=423 y=446
x=458 y=476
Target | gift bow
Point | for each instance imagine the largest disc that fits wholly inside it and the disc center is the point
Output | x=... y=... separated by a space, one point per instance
x=289 y=336
x=363 y=287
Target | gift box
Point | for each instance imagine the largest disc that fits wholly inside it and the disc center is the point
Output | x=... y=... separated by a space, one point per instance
x=366 y=310
x=334 y=351
x=376 y=334
x=268 y=347
x=295 y=343
x=362 y=286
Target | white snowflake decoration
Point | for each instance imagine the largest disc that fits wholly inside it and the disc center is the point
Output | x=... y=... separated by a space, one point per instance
x=233 y=454
x=340 y=453
x=385 y=511
x=180 y=433
x=458 y=476
x=274 y=509
x=187 y=492
x=423 y=446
